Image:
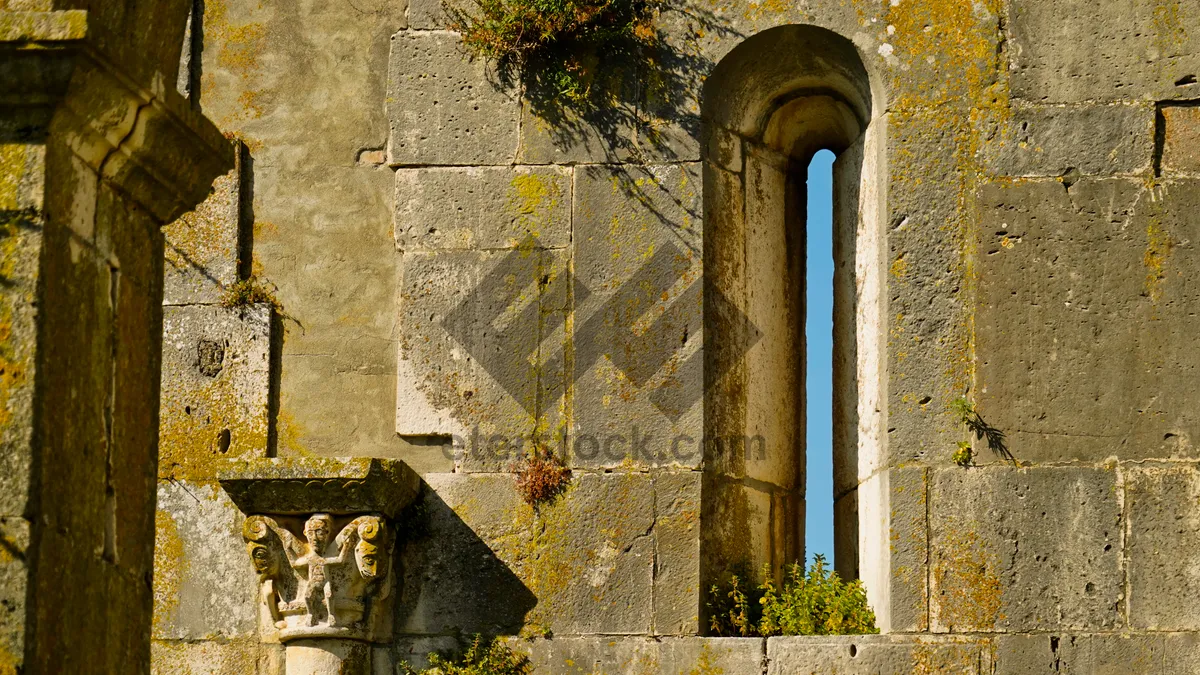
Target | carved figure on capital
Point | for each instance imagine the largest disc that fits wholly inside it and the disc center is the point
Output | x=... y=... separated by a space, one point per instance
x=317 y=587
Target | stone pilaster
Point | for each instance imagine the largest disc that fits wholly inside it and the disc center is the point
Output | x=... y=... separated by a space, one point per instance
x=96 y=154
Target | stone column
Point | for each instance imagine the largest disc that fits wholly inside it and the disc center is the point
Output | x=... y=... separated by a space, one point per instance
x=97 y=153
x=326 y=657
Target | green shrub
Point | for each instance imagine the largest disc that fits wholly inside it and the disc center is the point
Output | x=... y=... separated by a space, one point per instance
x=483 y=657
x=735 y=611
x=816 y=603
x=554 y=43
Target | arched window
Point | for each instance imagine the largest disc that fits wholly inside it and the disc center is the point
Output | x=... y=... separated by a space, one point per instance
x=768 y=107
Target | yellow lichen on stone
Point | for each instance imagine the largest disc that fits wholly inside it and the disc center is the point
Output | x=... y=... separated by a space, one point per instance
x=1158 y=247
x=170 y=566
x=541 y=553
x=234 y=657
x=970 y=590
x=530 y=195
x=1170 y=29
x=240 y=47
x=12 y=168
x=943 y=659
x=707 y=663
x=15 y=255
x=207 y=234
x=191 y=438
x=956 y=39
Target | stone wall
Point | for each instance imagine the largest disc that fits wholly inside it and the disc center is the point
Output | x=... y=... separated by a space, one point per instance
x=94 y=157
x=455 y=269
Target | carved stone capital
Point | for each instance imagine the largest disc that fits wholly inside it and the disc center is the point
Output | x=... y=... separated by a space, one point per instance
x=320 y=538
x=317 y=585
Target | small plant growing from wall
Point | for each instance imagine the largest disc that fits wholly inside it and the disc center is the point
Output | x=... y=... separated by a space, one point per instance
x=964 y=456
x=970 y=418
x=251 y=291
x=816 y=603
x=483 y=657
x=555 y=44
x=542 y=477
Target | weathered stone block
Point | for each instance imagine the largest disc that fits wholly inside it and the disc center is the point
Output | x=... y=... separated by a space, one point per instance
x=1095 y=273
x=474 y=327
x=446 y=108
x=554 y=131
x=1024 y=549
x=638 y=357
x=295 y=84
x=483 y=208
x=1122 y=50
x=773 y=365
x=640 y=656
x=427 y=15
x=455 y=577
x=677 y=590
x=907 y=544
x=582 y=564
x=215 y=388
x=877 y=655
x=620 y=656
x=14 y=585
x=1055 y=140
x=236 y=657
x=928 y=360
x=204 y=585
x=732 y=656
x=1164 y=532
x=415 y=651
x=737 y=529
x=131 y=234
x=1181 y=139
x=19 y=255
x=202 y=248
x=1101 y=654
x=118 y=616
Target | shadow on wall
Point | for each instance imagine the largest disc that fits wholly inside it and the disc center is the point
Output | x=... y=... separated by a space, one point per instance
x=641 y=103
x=453 y=583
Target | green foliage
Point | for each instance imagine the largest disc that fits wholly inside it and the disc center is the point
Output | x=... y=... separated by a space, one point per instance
x=816 y=603
x=248 y=292
x=964 y=455
x=968 y=416
x=735 y=611
x=483 y=657
x=555 y=41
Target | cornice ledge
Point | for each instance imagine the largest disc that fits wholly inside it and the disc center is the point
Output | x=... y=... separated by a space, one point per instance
x=150 y=143
x=304 y=485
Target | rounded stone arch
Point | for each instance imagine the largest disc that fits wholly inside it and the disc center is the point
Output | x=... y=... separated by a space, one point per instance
x=769 y=105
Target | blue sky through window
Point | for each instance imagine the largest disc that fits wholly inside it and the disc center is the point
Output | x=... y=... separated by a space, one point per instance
x=818 y=525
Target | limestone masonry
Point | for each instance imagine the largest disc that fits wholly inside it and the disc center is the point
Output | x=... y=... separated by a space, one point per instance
x=290 y=290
